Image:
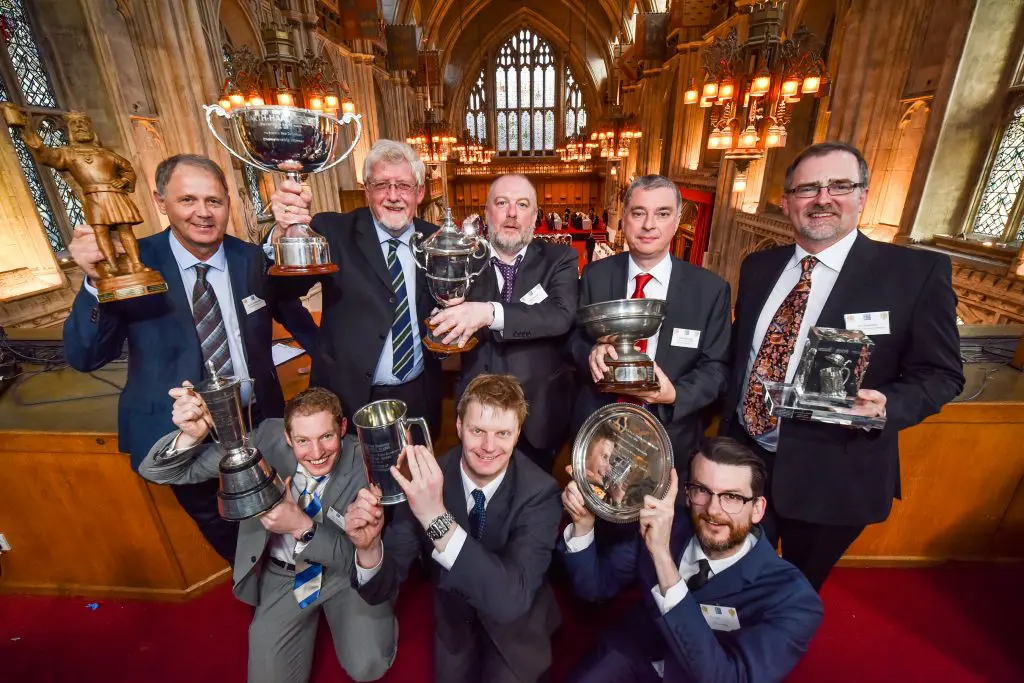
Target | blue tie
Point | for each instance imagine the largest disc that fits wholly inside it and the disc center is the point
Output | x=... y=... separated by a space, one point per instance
x=401 y=328
x=478 y=517
x=309 y=575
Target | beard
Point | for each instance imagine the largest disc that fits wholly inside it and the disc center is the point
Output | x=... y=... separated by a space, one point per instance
x=821 y=229
x=512 y=246
x=737 y=532
x=393 y=224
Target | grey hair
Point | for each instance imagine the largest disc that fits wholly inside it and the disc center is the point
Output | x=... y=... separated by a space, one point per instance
x=652 y=182
x=821 y=149
x=394 y=152
x=490 y=189
x=167 y=167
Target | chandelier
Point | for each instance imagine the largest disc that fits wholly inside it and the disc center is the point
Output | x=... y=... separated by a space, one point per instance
x=751 y=88
x=614 y=137
x=282 y=79
x=470 y=150
x=431 y=138
x=576 y=148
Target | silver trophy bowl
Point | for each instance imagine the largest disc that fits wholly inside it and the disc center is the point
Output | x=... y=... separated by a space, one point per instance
x=622 y=322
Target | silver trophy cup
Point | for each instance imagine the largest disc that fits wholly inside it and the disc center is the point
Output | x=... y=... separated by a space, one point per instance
x=296 y=142
x=384 y=431
x=623 y=322
x=248 y=485
x=451 y=259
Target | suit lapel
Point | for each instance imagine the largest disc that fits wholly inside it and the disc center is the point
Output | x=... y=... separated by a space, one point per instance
x=675 y=309
x=369 y=244
x=454 y=494
x=856 y=271
x=341 y=476
x=179 y=298
x=498 y=507
x=771 y=274
x=238 y=273
x=617 y=283
x=528 y=275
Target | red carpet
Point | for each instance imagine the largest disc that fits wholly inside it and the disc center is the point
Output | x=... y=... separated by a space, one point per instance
x=952 y=623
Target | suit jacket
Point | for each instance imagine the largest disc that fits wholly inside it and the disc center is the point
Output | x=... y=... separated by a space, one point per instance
x=778 y=611
x=359 y=307
x=329 y=547
x=163 y=346
x=830 y=474
x=697 y=299
x=498 y=582
x=531 y=345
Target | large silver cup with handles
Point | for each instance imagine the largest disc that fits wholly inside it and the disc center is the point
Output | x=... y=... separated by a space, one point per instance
x=384 y=431
x=623 y=322
x=248 y=485
x=296 y=142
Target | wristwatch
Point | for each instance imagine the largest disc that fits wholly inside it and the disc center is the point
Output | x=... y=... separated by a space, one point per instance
x=308 y=536
x=439 y=526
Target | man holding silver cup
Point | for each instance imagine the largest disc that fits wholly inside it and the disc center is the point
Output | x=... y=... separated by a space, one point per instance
x=294 y=560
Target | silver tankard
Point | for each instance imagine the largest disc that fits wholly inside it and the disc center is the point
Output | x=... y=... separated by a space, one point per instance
x=384 y=431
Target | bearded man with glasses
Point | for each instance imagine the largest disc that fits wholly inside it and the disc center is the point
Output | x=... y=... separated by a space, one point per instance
x=370 y=342
x=719 y=604
x=827 y=482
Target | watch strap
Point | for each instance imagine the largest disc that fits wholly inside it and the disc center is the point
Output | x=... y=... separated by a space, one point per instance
x=439 y=526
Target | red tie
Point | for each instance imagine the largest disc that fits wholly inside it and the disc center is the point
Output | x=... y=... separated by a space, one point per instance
x=641 y=344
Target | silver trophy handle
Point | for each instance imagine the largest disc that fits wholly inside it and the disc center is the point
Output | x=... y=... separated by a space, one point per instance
x=846 y=374
x=344 y=120
x=488 y=251
x=417 y=422
x=212 y=109
x=415 y=243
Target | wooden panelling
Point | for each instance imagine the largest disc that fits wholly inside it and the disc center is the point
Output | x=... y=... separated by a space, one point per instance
x=554 y=194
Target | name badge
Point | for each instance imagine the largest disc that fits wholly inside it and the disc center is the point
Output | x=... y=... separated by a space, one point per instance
x=721 y=618
x=336 y=517
x=687 y=339
x=253 y=303
x=868 y=323
x=534 y=296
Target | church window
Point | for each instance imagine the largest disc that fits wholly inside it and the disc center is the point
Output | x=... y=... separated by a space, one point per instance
x=524 y=89
x=998 y=216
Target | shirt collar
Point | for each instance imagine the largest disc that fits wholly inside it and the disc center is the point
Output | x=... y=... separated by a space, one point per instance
x=834 y=256
x=383 y=235
x=520 y=255
x=694 y=553
x=661 y=272
x=187 y=260
x=468 y=486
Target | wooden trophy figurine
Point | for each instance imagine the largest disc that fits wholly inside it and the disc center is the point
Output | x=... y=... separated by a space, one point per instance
x=106 y=181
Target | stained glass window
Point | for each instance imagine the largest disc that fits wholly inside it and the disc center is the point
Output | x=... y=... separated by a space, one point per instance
x=476 y=106
x=35 y=186
x=575 y=112
x=524 y=87
x=1004 y=181
x=25 y=58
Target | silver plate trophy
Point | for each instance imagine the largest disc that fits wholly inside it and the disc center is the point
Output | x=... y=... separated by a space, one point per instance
x=621 y=454
x=451 y=259
x=384 y=431
x=296 y=142
x=827 y=380
x=623 y=322
x=248 y=485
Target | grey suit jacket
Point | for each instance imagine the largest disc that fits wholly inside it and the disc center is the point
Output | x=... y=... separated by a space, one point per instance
x=499 y=581
x=329 y=547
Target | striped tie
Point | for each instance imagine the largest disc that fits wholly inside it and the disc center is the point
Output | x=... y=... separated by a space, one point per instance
x=309 y=575
x=401 y=329
x=213 y=336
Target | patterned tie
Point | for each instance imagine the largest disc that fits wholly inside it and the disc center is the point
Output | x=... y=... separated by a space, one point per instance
x=401 y=330
x=508 y=273
x=773 y=357
x=309 y=575
x=703 y=575
x=478 y=515
x=213 y=335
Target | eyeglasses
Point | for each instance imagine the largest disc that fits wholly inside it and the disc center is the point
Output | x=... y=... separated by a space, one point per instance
x=835 y=189
x=730 y=502
x=383 y=186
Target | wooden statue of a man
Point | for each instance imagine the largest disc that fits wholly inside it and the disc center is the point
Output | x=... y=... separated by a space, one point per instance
x=106 y=180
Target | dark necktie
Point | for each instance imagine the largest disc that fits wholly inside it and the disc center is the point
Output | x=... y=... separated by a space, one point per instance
x=401 y=329
x=478 y=516
x=508 y=273
x=773 y=357
x=703 y=575
x=213 y=335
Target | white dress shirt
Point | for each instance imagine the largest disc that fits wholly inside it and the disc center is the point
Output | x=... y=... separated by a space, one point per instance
x=284 y=547
x=384 y=372
x=459 y=535
x=823 y=278
x=498 y=324
x=657 y=288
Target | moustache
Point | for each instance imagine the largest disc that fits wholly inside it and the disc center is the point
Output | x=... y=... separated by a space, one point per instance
x=711 y=520
x=818 y=208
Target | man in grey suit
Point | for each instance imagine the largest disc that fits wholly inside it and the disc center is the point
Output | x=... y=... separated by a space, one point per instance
x=295 y=560
x=487 y=517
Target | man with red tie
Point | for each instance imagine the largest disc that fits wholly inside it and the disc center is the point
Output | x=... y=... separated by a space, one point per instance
x=691 y=349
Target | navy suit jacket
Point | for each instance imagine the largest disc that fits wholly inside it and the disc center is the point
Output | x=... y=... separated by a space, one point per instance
x=163 y=347
x=778 y=610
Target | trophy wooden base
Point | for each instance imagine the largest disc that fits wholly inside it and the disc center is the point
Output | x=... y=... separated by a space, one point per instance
x=295 y=271
x=121 y=287
x=437 y=346
x=628 y=376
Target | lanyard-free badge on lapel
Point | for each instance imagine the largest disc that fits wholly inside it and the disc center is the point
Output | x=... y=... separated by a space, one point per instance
x=253 y=303
x=721 y=618
x=868 y=323
x=534 y=296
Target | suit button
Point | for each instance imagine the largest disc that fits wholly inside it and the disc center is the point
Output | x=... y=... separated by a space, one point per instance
x=369 y=374
x=253 y=559
x=391 y=300
x=383 y=335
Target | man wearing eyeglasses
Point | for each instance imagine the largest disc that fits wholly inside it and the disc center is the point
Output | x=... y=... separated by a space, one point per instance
x=719 y=604
x=374 y=306
x=827 y=482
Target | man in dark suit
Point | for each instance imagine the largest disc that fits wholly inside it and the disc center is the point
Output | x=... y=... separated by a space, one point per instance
x=485 y=519
x=526 y=301
x=718 y=603
x=826 y=482
x=294 y=561
x=370 y=344
x=691 y=349
x=165 y=341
